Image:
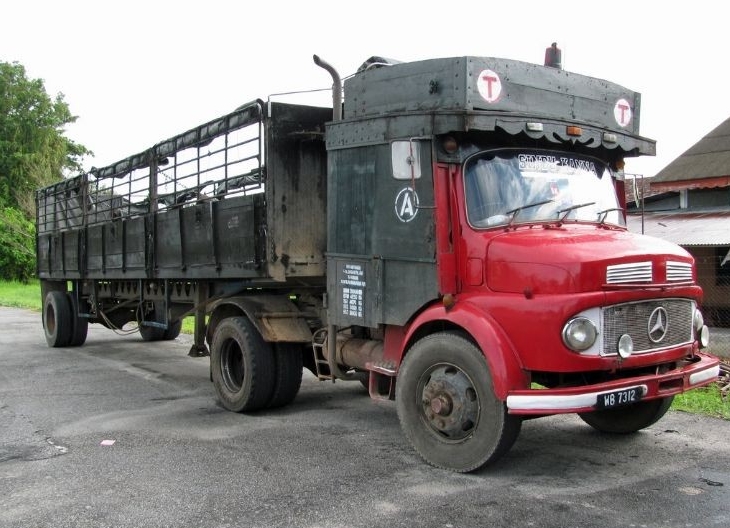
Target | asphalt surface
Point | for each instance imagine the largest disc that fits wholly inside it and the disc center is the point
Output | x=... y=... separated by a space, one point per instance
x=333 y=458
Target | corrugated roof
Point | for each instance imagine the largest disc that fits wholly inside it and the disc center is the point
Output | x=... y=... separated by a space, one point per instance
x=685 y=228
x=708 y=158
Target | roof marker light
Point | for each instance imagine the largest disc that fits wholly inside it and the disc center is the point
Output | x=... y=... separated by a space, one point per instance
x=450 y=145
x=574 y=130
x=534 y=127
x=609 y=138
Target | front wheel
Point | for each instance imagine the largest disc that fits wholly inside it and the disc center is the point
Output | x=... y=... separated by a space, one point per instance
x=629 y=419
x=447 y=406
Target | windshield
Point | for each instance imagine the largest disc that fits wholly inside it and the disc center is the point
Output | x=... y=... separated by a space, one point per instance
x=514 y=186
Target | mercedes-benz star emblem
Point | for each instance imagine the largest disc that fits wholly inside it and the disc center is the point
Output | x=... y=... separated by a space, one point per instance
x=658 y=324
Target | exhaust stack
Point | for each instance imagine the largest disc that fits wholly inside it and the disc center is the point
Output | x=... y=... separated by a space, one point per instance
x=336 y=87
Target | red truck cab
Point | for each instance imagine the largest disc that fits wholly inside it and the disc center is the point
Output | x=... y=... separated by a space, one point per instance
x=539 y=301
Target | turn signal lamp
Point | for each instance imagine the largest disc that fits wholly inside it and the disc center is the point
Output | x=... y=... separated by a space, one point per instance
x=448 y=300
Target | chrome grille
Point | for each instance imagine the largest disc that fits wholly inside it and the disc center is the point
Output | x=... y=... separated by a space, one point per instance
x=633 y=319
x=679 y=272
x=629 y=273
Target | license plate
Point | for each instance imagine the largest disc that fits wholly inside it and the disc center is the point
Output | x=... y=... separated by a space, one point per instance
x=609 y=400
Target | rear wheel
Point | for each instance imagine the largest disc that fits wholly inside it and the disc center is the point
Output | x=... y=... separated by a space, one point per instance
x=288 y=374
x=629 y=419
x=447 y=406
x=242 y=366
x=57 y=319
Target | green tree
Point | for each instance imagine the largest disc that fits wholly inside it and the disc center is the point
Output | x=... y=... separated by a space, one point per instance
x=34 y=152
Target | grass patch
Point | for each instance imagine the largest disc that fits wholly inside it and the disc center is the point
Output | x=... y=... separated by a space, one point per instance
x=21 y=295
x=188 y=326
x=705 y=400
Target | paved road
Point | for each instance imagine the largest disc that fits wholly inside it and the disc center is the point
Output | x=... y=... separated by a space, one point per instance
x=333 y=458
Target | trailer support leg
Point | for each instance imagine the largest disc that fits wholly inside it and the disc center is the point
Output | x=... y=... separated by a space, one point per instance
x=199 y=349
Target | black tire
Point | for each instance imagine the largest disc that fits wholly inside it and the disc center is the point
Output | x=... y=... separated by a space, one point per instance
x=447 y=407
x=151 y=333
x=629 y=419
x=156 y=333
x=57 y=319
x=242 y=365
x=288 y=374
x=80 y=324
x=172 y=330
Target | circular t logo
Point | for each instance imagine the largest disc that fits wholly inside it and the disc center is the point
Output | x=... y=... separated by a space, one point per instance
x=622 y=112
x=406 y=204
x=489 y=85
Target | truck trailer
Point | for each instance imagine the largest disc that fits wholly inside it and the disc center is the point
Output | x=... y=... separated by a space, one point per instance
x=450 y=233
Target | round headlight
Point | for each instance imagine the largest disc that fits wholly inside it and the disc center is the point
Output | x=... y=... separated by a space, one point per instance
x=704 y=337
x=698 y=321
x=579 y=334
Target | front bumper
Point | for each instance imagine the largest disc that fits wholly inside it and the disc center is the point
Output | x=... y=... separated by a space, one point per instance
x=702 y=370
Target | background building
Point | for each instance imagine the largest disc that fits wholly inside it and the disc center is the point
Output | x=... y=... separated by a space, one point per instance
x=688 y=203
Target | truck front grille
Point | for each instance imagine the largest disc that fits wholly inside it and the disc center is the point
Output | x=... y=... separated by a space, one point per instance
x=652 y=325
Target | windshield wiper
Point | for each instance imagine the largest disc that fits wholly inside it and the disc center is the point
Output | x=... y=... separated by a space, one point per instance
x=567 y=210
x=514 y=212
x=602 y=219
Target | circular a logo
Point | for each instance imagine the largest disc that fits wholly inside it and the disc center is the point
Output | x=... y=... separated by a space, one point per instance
x=658 y=325
x=489 y=85
x=622 y=113
x=406 y=204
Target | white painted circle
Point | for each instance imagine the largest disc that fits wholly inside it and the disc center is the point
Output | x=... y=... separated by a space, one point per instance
x=622 y=112
x=406 y=204
x=489 y=85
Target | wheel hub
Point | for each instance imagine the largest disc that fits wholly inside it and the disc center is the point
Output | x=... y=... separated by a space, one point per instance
x=449 y=403
x=442 y=405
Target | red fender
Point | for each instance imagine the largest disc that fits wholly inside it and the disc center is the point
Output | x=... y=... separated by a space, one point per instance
x=504 y=364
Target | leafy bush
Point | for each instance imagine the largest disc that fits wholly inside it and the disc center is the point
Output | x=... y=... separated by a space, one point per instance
x=17 y=245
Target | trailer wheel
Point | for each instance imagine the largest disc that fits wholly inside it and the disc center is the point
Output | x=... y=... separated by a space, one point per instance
x=447 y=407
x=242 y=365
x=80 y=324
x=629 y=419
x=288 y=374
x=57 y=319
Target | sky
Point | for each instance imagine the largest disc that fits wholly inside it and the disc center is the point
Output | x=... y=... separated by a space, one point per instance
x=137 y=72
